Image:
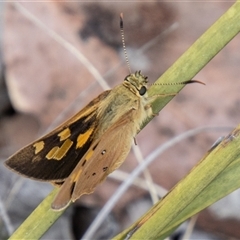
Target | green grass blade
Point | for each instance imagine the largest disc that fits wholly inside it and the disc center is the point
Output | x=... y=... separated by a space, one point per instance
x=198 y=55
x=40 y=220
x=214 y=177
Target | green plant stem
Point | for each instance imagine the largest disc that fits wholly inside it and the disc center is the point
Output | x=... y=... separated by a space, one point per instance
x=198 y=55
x=40 y=220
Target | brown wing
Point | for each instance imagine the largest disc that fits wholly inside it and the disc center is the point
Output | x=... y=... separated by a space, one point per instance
x=103 y=157
x=54 y=156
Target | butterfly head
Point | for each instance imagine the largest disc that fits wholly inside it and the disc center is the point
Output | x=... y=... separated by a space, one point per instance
x=136 y=82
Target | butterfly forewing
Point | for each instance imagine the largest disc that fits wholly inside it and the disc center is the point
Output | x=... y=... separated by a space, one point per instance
x=54 y=156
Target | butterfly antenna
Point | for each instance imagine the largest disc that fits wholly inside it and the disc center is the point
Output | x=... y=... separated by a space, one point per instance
x=181 y=83
x=123 y=42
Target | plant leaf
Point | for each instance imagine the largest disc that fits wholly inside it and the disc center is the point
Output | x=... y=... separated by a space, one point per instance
x=216 y=175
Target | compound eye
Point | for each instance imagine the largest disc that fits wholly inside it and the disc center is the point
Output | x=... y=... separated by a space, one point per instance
x=143 y=90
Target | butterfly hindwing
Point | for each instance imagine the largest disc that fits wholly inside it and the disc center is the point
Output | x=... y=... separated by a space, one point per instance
x=98 y=162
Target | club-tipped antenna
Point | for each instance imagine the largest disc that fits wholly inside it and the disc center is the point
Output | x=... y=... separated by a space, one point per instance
x=123 y=42
x=181 y=83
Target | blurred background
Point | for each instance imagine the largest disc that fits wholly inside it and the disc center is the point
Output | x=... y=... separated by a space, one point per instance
x=43 y=83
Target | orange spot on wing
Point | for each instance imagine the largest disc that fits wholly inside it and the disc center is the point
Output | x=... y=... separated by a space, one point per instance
x=39 y=146
x=57 y=153
x=82 y=138
x=75 y=175
x=88 y=155
x=66 y=133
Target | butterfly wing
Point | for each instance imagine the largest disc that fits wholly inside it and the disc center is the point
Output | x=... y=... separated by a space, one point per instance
x=100 y=160
x=54 y=156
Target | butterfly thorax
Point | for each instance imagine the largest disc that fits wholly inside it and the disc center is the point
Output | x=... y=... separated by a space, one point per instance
x=131 y=94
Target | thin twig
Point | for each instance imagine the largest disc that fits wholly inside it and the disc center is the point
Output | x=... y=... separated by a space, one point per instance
x=13 y=192
x=190 y=227
x=141 y=183
x=147 y=175
x=6 y=219
x=65 y=44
